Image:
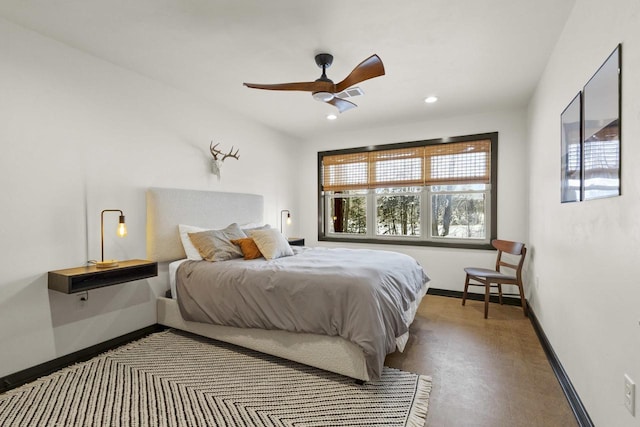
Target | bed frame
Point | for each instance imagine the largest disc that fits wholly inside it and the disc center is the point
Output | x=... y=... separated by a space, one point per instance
x=166 y=208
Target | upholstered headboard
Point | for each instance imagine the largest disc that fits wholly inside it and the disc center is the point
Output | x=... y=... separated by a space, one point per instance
x=168 y=207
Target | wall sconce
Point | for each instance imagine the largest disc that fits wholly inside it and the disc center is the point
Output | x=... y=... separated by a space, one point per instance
x=288 y=218
x=122 y=231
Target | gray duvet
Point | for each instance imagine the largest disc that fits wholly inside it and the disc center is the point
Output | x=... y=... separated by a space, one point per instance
x=358 y=294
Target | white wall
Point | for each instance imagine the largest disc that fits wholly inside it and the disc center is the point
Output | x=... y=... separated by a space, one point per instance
x=443 y=265
x=79 y=135
x=587 y=297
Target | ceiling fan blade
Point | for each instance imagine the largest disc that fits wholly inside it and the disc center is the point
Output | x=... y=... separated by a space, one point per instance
x=341 y=104
x=317 y=86
x=367 y=69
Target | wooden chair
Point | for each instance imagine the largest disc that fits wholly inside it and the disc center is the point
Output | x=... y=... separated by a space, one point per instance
x=496 y=278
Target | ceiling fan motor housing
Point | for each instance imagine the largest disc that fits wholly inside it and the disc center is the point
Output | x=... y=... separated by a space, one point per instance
x=324 y=60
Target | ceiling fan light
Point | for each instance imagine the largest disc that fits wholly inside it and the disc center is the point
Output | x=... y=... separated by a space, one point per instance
x=331 y=116
x=431 y=99
x=322 y=96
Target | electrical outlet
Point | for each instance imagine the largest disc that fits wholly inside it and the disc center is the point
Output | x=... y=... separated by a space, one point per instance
x=629 y=394
x=83 y=297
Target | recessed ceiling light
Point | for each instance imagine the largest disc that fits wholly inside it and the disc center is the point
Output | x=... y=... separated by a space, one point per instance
x=431 y=99
x=331 y=117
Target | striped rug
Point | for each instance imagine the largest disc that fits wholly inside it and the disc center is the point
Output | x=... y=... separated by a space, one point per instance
x=173 y=378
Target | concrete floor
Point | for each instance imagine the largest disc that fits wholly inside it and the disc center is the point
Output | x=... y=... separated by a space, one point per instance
x=486 y=372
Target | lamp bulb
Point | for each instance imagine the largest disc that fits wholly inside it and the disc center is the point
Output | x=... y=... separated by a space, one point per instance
x=122 y=229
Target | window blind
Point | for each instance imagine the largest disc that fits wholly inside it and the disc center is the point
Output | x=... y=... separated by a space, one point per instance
x=345 y=172
x=458 y=163
x=450 y=163
x=393 y=168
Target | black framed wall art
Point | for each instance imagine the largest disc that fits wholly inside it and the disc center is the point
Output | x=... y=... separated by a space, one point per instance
x=571 y=151
x=601 y=101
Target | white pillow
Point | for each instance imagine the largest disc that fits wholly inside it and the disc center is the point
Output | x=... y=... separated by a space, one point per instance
x=189 y=249
x=271 y=243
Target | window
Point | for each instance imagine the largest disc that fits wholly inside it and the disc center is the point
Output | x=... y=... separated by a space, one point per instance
x=438 y=192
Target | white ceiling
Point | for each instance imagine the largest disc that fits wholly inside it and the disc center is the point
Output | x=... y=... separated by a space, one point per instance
x=475 y=55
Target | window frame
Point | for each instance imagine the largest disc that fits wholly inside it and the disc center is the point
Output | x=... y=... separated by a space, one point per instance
x=425 y=239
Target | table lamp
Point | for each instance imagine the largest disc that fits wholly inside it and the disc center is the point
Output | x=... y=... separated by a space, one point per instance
x=122 y=231
x=288 y=218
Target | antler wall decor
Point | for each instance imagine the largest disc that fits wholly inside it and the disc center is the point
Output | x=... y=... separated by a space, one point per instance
x=219 y=156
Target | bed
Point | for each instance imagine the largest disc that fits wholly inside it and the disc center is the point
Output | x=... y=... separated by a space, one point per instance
x=167 y=208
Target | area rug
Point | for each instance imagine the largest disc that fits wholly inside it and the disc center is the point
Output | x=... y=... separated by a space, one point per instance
x=173 y=378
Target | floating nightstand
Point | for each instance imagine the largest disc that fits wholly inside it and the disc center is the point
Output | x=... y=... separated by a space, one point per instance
x=296 y=241
x=80 y=279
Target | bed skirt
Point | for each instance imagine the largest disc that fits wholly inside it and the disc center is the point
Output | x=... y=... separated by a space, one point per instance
x=334 y=354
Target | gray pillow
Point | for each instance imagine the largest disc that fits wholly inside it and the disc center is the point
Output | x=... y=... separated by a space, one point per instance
x=271 y=243
x=247 y=230
x=215 y=245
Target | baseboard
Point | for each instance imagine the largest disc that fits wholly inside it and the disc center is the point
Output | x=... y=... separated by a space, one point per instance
x=506 y=299
x=22 y=377
x=580 y=412
x=578 y=409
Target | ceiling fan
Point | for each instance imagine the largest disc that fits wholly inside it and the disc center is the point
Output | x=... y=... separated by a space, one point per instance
x=324 y=89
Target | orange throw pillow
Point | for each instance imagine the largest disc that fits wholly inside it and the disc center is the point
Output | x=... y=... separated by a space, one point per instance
x=248 y=248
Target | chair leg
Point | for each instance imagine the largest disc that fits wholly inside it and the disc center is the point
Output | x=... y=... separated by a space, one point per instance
x=487 y=292
x=466 y=287
x=500 y=293
x=523 y=300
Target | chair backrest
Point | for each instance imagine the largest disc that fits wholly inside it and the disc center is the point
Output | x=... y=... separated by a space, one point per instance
x=513 y=248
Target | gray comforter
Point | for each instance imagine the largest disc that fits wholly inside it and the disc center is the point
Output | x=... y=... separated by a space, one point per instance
x=358 y=294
